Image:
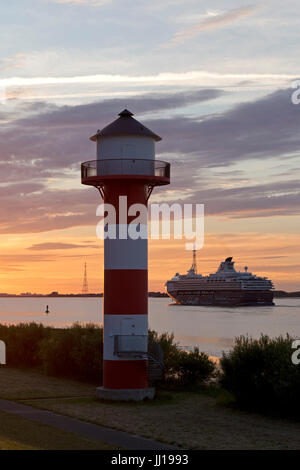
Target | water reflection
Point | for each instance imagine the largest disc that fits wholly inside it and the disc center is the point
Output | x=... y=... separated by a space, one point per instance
x=212 y=329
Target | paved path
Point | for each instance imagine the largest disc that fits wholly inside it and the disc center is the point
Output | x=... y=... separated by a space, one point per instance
x=88 y=430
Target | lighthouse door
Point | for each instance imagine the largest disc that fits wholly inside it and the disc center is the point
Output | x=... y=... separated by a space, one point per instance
x=129 y=159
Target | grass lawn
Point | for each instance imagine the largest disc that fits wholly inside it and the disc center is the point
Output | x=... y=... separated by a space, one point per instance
x=18 y=433
x=191 y=420
x=16 y=384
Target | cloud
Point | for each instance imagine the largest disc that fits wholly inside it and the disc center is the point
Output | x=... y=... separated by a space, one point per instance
x=290 y=268
x=54 y=210
x=256 y=200
x=59 y=246
x=20 y=258
x=93 y=3
x=48 y=211
x=40 y=156
x=11 y=269
x=265 y=128
x=192 y=77
x=56 y=138
x=15 y=61
x=213 y=21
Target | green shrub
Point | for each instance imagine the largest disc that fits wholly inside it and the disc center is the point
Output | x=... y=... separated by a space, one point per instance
x=77 y=352
x=183 y=367
x=74 y=352
x=168 y=346
x=191 y=368
x=224 y=398
x=23 y=343
x=261 y=376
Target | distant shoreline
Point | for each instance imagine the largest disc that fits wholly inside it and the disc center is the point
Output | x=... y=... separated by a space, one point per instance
x=150 y=294
x=282 y=293
x=277 y=294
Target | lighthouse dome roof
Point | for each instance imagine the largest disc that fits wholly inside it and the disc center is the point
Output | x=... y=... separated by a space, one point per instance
x=125 y=125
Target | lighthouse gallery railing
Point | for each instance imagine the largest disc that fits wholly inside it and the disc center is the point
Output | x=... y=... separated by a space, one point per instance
x=125 y=166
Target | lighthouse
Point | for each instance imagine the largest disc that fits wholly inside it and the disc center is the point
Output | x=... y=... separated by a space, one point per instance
x=125 y=173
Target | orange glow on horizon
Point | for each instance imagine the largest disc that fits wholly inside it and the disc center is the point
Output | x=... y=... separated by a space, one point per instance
x=45 y=268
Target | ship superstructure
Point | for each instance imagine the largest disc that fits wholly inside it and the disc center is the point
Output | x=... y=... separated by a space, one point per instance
x=226 y=287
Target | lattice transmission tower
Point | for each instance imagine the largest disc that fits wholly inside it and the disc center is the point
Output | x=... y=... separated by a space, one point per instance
x=85 y=289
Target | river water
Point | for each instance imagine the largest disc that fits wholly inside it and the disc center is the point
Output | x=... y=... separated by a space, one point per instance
x=212 y=329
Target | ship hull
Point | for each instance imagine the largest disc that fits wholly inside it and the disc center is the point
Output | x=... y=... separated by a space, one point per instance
x=224 y=298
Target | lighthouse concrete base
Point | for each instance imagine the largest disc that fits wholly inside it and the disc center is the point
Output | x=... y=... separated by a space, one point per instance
x=137 y=394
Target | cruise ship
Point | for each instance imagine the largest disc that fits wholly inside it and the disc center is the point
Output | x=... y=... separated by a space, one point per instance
x=226 y=287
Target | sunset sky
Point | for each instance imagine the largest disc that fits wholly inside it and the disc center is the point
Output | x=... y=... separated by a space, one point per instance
x=213 y=78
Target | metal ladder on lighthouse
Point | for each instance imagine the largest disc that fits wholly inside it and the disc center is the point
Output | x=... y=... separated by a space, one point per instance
x=154 y=355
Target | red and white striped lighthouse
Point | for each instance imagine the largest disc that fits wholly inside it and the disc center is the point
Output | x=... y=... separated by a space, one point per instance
x=125 y=173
